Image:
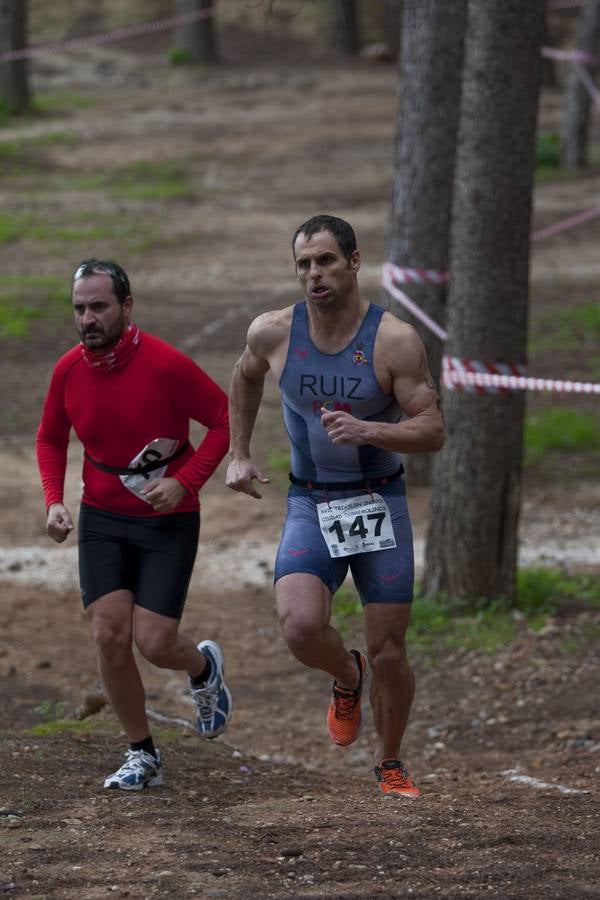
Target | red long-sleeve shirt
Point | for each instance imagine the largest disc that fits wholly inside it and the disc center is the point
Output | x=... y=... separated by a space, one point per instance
x=116 y=413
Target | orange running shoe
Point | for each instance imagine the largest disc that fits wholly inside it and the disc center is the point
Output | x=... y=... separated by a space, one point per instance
x=343 y=715
x=394 y=780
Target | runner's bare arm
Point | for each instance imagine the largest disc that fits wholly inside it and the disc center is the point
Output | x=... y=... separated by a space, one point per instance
x=402 y=369
x=265 y=337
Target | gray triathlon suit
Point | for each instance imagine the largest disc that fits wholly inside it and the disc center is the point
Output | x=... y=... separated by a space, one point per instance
x=340 y=381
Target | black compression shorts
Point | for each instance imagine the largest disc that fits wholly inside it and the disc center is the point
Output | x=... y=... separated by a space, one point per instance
x=152 y=557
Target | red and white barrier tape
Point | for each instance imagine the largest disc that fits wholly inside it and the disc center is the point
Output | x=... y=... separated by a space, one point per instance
x=580 y=56
x=564 y=224
x=404 y=275
x=388 y=277
x=473 y=376
x=108 y=36
x=588 y=82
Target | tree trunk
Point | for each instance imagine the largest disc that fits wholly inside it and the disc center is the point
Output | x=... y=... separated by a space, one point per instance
x=471 y=545
x=14 y=80
x=575 y=123
x=198 y=39
x=344 y=33
x=418 y=237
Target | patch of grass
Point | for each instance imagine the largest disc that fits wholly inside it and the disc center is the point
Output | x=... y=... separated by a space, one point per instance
x=566 y=329
x=556 y=428
x=27 y=298
x=347 y=610
x=140 y=181
x=60 y=726
x=57 y=101
x=547 y=149
x=445 y=623
x=279 y=461
x=4 y=114
x=50 y=710
x=16 y=320
x=86 y=228
x=179 y=57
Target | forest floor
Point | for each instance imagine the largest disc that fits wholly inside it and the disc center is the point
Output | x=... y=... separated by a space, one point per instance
x=505 y=746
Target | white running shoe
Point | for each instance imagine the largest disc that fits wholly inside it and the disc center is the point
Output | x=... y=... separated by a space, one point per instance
x=139 y=770
x=214 y=705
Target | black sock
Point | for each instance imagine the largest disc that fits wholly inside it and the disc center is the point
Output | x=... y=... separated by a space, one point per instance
x=147 y=745
x=205 y=675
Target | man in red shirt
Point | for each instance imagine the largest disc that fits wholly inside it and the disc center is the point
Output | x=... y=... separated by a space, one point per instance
x=130 y=397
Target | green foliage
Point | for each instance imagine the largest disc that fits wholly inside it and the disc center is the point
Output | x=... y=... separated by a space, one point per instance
x=58 y=101
x=279 y=461
x=15 y=320
x=179 y=57
x=49 y=709
x=566 y=329
x=4 y=113
x=27 y=298
x=129 y=232
x=547 y=149
x=140 y=181
x=347 y=610
x=443 y=623
x=555 y=428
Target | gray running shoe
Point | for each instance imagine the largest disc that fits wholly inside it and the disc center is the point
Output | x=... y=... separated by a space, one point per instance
x=139 y=770
x=214 y=705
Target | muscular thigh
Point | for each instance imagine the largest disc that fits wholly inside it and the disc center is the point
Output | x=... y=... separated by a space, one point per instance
x=387 y=576
x=302 y=549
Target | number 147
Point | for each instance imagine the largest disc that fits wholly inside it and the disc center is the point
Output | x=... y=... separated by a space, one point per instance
x=358 y=529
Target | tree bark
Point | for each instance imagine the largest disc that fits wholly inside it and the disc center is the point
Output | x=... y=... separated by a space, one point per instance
x=14 y=76
x=198 y=39
x=344 y=31
x=427 y=125
x=575 y=123
x=471 y=547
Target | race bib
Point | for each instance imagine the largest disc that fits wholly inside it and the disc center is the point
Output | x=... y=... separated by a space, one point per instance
x=161 y=448
x=356 y=525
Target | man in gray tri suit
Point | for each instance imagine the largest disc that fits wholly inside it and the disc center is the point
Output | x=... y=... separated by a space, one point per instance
x=356 y=393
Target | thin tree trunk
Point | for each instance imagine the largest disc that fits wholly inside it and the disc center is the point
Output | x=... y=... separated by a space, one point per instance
x=344 y=31
x=14 y=76
x=575 y=123
x=198 y=39
x=471 y=547
x=431 y=70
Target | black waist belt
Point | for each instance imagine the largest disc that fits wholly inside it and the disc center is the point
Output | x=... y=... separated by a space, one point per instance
x=365 y=485
x=142 y=468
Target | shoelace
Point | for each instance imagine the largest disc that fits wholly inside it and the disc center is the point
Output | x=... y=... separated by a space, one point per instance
x=396 y=777
x=135 y=763
x=206 y=700
x=344 y=704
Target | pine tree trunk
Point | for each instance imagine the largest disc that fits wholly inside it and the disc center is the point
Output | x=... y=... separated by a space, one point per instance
x=575 y=123
x=344 y=32
x=14 y=76
x=198 y=39
x=471 y=547
x=431 y=69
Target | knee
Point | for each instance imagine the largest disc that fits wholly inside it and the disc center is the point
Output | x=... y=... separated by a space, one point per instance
x=299 y=635
x=112 y=640
x=388 y=660
x=154 y=646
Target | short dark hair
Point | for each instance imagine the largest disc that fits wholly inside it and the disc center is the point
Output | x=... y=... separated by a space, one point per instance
x=117 y=275
x=339 y=228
